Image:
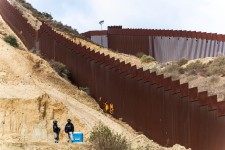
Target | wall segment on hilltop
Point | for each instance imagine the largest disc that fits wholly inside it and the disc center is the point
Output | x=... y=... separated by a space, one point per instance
x=163 y=45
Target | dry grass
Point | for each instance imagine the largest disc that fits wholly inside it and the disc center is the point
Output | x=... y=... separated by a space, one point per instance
x=195 y=66
x=173 y=68
x=182 y=62
x=217 y=66
x=214 y=79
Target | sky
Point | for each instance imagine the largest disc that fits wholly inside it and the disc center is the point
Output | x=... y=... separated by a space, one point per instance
x=84 y=15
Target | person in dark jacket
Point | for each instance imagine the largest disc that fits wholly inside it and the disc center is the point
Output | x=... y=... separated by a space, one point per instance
x=69 y=129
x=56 y=131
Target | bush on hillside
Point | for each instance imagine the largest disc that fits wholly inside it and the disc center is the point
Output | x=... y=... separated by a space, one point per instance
x=147 y=58
x=195 y=66
x=217 y=66
x=171 y=68
x=11 y=40
x=47 y=15
x=43 y=15
x=60 y=68
x=182 y=62
x=140 y=54
x=104 y=139
x=85 y=89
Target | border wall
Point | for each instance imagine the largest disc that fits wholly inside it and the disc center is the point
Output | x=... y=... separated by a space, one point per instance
x=18 y=24
x=163 y=45
x=164 y=110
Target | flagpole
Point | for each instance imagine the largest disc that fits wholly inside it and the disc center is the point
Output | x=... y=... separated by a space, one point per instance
x=101 y=23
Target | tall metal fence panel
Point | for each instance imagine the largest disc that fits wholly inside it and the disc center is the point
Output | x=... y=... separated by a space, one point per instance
x=164 y=110
x=163 y=45
x=18 y=24
x=100 y=40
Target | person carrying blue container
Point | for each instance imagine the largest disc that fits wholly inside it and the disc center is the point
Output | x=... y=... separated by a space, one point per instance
x=56 y=131
x=69 y=129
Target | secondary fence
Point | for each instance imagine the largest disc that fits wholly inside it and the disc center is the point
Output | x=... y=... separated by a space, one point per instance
x=166 y=111
x=18 y=24
x=163 y=45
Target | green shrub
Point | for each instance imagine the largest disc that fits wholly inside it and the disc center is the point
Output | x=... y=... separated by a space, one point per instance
x=60 y=68
x=196 y=66
x=43 y=15
x=47 y=15
x=181 y=70
x=182 y=62
x=147 y=59
x=103 y=138
x=171 y=68
x=217 y=66
x=11 y=40
x=85 y=89
x=140 y=54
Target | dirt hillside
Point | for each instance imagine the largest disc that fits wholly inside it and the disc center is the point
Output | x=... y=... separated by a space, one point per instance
x=32 y=95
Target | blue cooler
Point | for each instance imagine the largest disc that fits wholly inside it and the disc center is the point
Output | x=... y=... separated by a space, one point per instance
x=77 y=137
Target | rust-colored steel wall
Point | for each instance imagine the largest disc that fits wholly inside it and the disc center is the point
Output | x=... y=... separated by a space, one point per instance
x=162 y=109
x=166 y=111
x=18 y=24
x=129 y=44
x=163 y=45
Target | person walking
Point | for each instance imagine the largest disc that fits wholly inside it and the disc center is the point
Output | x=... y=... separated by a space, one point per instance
x=69 y=129
x=56 y=131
